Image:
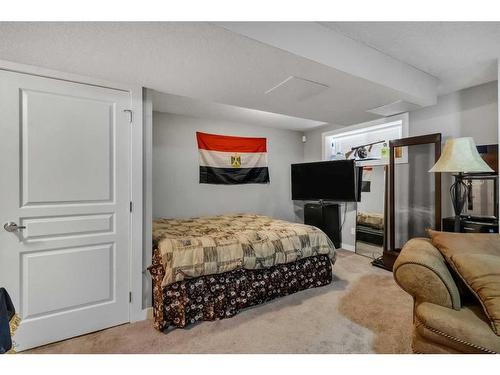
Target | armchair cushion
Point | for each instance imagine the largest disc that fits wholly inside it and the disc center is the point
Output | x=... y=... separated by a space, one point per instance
x=476 y=259
x=464 y=331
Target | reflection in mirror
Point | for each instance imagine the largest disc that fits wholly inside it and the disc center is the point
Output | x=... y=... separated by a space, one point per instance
x=370 y=213
x=481 y=196
x=414 y=189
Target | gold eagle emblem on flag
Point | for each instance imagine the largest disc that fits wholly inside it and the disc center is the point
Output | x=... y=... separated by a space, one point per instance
x=229 y=160
x=235 y=161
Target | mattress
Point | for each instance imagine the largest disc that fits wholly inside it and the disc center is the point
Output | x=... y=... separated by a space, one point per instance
x=212 y=245
x=370 y=219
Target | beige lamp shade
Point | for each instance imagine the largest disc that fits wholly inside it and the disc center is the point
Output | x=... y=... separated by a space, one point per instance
x=460 y=155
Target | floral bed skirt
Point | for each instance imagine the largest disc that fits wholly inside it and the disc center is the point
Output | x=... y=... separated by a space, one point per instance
x=220 y=296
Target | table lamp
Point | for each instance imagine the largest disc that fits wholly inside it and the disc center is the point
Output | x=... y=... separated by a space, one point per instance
x=460 y=156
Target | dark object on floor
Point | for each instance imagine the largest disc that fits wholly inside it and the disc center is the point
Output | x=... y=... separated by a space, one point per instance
x=379 y=262
x=7 y=311
x=214 y=297
x=386 y=261
x=325 y=217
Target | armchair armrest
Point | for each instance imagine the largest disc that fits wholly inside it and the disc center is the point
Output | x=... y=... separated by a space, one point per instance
x=421 y=271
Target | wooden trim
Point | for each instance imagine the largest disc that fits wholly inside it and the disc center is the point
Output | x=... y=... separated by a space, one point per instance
x=386 y=204
x=418 y=140
x=413 y=141
x=391 y=196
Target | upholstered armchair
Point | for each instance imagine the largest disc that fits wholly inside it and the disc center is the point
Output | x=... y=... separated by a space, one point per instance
x=447 y=318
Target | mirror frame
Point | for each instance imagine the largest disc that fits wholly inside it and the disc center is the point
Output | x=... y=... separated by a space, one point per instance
x=391 y=253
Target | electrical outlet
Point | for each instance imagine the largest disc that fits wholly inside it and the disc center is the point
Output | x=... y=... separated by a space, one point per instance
x=353 y=230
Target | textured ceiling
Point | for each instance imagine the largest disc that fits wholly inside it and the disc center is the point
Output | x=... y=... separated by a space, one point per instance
x=206 y=62
x=459 y=54
x=198 y=60
x=182 y=105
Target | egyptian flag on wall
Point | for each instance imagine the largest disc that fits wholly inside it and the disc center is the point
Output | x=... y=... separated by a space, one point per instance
x=232 y=160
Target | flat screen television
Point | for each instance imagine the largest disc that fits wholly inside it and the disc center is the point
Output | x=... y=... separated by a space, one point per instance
x=336 y=180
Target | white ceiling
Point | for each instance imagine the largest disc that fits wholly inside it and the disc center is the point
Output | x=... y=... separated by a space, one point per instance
x=459 y=54
x=198 y=60
x=320 y=44
x=211 y=64
x=182 y=105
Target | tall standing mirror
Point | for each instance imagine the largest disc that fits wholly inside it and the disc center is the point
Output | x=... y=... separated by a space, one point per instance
x=414 y=194
x=370 y=222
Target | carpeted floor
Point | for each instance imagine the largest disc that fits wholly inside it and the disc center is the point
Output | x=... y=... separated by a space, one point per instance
x=369 y=250
x=362 y=311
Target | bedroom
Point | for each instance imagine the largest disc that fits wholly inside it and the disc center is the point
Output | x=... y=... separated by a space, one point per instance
x=185 y=206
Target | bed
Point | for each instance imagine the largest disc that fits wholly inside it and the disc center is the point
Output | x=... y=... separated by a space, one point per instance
x=210 y=268
x=370 y=228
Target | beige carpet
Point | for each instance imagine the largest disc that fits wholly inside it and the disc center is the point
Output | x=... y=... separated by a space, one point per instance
x=362 y=311
x=369 y=250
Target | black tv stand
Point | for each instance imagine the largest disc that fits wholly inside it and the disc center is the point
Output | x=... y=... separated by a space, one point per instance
x=325 y=216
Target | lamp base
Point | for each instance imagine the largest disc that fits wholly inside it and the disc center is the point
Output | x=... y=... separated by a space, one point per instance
x=458 y=192
x=456 y=227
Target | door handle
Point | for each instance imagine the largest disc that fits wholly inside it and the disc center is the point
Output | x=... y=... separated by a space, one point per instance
x=12 y=227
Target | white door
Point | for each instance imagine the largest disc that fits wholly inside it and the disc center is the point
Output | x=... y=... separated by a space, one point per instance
x=64 y=181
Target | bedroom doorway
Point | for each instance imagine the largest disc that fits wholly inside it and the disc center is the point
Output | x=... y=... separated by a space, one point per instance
x=65 y=206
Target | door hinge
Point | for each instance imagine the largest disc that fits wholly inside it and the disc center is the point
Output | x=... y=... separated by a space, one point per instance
x=129 y=111
x=131 y=205
x=129 y=297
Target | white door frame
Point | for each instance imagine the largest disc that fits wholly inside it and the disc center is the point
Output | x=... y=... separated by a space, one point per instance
x=136 y=310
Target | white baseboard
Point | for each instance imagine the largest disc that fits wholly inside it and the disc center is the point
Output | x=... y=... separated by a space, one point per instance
x=347 y=247
x=141 y=315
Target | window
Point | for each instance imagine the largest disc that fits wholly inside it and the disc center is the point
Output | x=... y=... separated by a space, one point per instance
x=374 y=135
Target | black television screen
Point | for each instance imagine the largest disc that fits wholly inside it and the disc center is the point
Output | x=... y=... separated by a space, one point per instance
x=336 y=180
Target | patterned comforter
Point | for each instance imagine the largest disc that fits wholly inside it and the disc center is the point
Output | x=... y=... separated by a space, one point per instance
x=211 y=245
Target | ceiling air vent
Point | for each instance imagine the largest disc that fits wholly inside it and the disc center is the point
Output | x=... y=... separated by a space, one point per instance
x=394 y=108
x=298 y=89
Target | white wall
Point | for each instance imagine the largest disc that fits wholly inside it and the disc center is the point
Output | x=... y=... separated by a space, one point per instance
x=313 y=145
x=177 y=192
x=472 y=112
x=373 y=200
